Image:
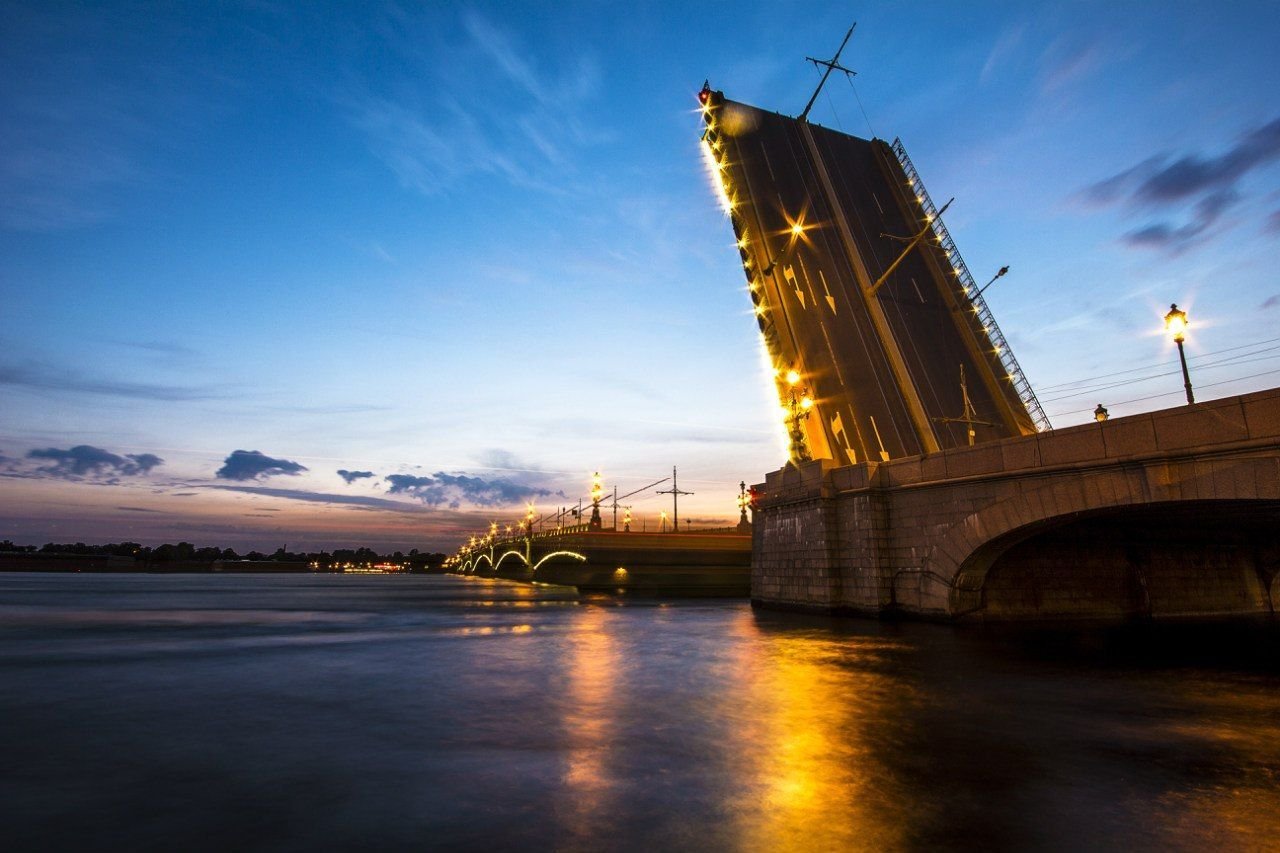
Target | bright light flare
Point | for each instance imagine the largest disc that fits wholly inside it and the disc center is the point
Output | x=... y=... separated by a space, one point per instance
x=714 y=169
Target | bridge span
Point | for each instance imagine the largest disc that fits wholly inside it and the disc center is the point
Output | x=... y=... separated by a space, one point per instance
x=1167 y=515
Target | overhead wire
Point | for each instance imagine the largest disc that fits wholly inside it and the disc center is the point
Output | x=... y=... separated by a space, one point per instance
x=1243 y=358
x=1174 y=393
x=1194 y=359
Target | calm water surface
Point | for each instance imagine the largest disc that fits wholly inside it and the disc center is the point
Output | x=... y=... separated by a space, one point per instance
x=327 y=712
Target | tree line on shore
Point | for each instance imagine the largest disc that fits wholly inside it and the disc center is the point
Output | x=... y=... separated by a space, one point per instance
x=185 y=552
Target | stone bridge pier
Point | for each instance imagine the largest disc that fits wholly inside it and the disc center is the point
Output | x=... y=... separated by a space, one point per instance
x=1166 y=515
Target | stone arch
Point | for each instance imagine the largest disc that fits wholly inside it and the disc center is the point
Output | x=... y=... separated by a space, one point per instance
x=965 y=553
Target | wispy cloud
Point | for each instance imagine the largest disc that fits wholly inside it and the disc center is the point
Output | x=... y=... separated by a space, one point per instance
x=1065 y=62
x=1209 y=184
x=252 y=464
x=85 y=461
x=366 y=501
x=351 y=476
x=1270 y=302
x=47 y=377
x=1004 y=48
x=433 y=133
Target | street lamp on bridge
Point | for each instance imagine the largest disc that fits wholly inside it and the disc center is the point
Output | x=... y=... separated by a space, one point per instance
x=1175 y=323
x=798 y=405
x=597 y=492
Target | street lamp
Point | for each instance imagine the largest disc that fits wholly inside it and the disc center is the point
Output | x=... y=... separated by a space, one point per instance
x=1100 y=414
x=1002 y=271
x=597 y=492
x=1175 y=323
x=744 y=501
x=798 y=405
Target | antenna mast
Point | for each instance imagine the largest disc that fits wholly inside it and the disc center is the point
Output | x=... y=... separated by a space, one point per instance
x=832 y=64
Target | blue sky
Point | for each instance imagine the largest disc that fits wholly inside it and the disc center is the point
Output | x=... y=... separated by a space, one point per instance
x=471 y=250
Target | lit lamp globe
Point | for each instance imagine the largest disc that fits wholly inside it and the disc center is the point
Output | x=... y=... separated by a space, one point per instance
x=1175 y=323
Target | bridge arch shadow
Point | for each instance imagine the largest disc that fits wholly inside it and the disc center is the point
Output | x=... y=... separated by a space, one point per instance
x=1164 y=560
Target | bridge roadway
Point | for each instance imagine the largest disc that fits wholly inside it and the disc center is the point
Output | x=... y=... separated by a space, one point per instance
x=1168 y=515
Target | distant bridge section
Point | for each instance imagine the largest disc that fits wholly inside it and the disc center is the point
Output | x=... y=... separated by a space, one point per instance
x=1166 y=515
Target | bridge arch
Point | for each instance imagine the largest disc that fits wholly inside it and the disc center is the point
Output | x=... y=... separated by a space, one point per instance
x=507 y=554
x=1124 y=545
x=546 y=558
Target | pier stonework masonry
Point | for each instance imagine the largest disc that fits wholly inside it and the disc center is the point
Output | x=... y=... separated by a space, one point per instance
x=1165 y=515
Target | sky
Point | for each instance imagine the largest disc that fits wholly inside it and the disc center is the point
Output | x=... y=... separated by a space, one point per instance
x=330 y=275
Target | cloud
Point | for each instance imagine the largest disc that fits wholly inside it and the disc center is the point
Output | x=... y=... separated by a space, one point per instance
x=1003 y=50
x=84 y=460
x=452 y=490
x=1271 y=302
x=1063 y=64
x=1176 y=239
x=352 y=476
x=1208 y=183
x=45 y=377
x=432 y=134
x=365 y=501
x=1273 y=223
x=251 y=464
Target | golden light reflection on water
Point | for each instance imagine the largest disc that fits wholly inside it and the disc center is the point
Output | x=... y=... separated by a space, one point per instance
x=814 y=705
x=1239 y=810
x=588 y=711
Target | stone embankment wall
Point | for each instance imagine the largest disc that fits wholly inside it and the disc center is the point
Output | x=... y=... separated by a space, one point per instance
x=1192 y=497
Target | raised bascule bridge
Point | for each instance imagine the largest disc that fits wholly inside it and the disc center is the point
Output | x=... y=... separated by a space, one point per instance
x=924 y=478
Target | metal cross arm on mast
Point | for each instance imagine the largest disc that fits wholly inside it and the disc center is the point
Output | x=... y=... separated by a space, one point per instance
x=832 y=64
x=915 y=241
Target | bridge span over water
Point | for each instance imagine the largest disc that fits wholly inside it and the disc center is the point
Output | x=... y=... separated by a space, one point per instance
x=1167 y=515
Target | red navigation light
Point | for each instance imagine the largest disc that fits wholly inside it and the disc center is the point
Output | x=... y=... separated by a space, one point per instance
x=704 y=95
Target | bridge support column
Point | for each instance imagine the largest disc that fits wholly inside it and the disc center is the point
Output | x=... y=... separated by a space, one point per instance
x=812 y=552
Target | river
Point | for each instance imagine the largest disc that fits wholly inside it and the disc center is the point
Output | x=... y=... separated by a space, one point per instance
x=303 y=712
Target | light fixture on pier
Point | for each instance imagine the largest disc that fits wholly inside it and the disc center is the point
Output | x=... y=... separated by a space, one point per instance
x=1100 y=414
x=797 y=412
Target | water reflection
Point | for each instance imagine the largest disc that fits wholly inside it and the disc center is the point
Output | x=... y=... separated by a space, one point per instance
x=464 y=713
x=588 y=716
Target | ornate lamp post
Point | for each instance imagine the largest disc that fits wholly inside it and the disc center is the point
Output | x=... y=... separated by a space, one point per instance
x=798 y=405
x=1175 y=323
x=626 y=520
x=597 y=492
x=1100 y=414
x=744 y=501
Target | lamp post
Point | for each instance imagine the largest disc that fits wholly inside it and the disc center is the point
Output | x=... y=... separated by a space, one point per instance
x=597 y=492
x=1175 y=323
x=744 y=501
x=798 y=405
x=1100 y=414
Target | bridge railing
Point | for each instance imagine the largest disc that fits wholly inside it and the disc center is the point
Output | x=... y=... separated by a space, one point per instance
x=969 y=292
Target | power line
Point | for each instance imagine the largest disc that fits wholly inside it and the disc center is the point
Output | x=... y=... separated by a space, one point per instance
x=1233 y=361
x=1193 y=359
x=1173 y=393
